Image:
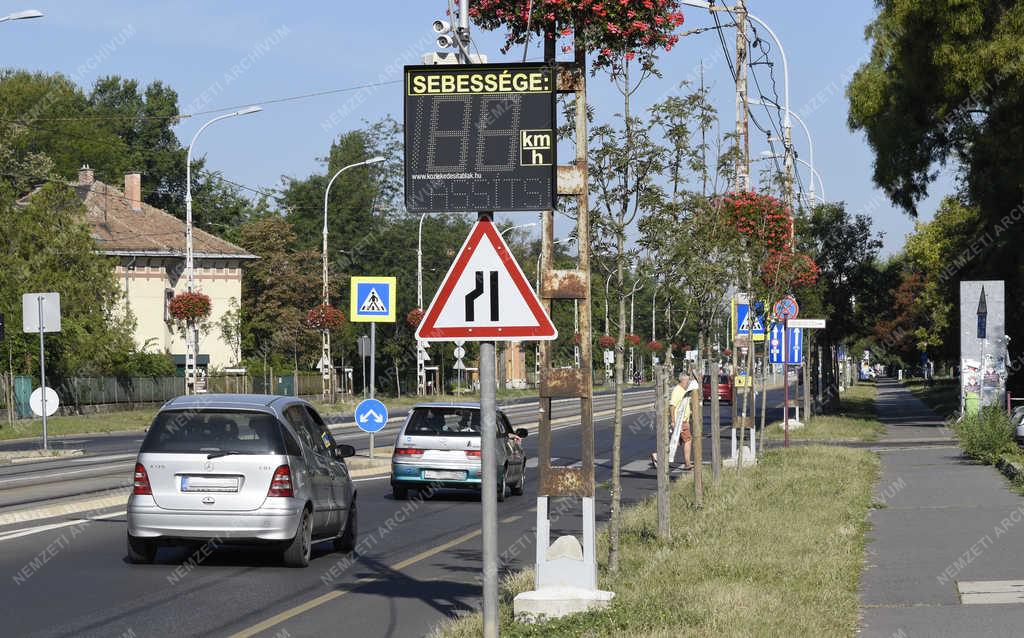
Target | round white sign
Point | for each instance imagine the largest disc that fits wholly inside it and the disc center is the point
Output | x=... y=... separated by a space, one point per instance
x=36 y=401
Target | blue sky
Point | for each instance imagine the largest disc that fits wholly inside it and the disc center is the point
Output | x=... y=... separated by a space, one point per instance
x=222 y=54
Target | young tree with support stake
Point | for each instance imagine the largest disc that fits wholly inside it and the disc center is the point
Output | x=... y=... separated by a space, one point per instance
x=622 y=35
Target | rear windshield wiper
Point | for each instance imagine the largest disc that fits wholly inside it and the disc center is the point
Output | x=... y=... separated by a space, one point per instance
x=217 y=455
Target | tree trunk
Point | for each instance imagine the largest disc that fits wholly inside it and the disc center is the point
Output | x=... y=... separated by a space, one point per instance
x=697 y=429
x=620 y=348
x=715 y=373
x=663 y=424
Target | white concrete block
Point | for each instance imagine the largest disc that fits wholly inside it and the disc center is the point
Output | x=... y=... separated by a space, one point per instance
x=534 y=606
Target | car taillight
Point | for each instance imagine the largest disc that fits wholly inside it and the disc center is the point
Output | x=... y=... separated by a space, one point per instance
x=472 y=452
x=281 y=483
x=141 y=483
x=408 y=451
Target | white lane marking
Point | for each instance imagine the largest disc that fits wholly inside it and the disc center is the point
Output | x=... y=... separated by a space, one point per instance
x=112 y=457
x=36 y=477
x=638 y=465
x=45 y=528
x=372 y=478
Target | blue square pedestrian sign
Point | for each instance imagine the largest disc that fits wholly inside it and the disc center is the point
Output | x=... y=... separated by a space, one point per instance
x=373 y=299
x=746 y=321
x=793 y=344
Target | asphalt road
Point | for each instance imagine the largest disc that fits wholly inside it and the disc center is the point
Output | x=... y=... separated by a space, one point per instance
x=109 y=458
x=418 y=561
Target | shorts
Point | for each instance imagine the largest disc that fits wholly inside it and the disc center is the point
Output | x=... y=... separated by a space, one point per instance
x=684 y=433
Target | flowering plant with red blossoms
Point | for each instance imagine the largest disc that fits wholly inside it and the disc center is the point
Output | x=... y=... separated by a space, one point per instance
x=606 y=341
x=633 y=339
x=760 y=218
x=190 y=305
x=414 y=317
x=766 y=221
x=612 y=28
x=325 y=317
x=654 y=346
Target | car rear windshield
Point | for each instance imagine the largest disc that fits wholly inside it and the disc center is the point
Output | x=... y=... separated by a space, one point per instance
x=444 y=422
x=724 y=379
x=207 y=431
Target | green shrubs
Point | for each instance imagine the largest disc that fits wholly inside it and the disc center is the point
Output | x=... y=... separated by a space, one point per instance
x=986 y=435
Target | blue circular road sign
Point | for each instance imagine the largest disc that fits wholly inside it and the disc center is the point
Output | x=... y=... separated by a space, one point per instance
x=371 y=415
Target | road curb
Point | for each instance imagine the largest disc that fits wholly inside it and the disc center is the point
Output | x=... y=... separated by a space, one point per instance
x=93 y=504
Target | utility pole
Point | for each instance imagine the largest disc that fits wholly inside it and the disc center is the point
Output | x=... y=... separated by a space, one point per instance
x=742 y=105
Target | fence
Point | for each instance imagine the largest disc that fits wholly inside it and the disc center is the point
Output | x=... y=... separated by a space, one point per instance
x=78 y=394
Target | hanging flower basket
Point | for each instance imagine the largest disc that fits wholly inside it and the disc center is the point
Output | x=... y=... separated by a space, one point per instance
x=414 y=317
x=606 y=341
x=325 y=317
x=627 y=28
x=577 y=339
x=633 y=339
x=188 y=306
x=727 y=352
x=655 y=346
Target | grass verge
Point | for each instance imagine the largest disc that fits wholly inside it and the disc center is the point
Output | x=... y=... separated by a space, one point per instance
x=79 y=424
x=941 y=395
x=776 y=551
x=129 y=420
x=857 y=420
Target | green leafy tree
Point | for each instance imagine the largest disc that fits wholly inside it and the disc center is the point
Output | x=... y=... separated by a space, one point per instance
x=49 y=249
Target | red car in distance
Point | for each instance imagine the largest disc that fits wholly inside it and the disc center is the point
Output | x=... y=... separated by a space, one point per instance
x=725 y=389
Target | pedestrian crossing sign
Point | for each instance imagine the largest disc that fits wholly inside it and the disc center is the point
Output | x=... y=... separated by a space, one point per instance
x=373 y=299
x=747 y=321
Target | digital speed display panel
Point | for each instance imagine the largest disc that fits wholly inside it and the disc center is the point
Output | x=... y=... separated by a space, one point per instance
x=479 y=138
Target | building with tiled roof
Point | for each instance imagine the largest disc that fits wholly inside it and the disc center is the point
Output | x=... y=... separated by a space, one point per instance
x=149 y=245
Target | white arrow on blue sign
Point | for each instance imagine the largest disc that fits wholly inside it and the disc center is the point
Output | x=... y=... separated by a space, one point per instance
x=371 y=415
x=794 y=344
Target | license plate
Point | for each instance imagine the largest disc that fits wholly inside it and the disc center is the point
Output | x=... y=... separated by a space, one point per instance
x=445 y=475
x=209 y=484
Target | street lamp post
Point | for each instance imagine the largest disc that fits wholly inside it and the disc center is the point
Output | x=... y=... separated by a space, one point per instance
x=191 y=330
x=807 y=132
x=814 y=174
x=27 y=14
x=326 y=362
x=632 y=349
x=787 y=124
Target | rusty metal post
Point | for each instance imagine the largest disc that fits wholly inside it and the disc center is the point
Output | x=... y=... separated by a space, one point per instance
x=566 y=579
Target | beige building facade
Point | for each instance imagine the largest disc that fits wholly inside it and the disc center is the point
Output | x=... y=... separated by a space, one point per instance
x=149 y=246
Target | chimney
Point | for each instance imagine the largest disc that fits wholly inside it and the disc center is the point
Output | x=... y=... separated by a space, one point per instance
x=85 y=176
x=133 y=190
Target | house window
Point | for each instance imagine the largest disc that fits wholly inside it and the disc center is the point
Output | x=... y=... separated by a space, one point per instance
x=168 y=295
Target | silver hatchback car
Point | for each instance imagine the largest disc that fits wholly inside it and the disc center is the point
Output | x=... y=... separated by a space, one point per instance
x=241 y=469
x=439 y=446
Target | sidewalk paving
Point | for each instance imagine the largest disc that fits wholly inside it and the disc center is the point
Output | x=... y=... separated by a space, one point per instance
x=946 y=521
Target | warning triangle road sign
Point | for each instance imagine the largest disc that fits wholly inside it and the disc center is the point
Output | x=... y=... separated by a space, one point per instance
x=485 y=296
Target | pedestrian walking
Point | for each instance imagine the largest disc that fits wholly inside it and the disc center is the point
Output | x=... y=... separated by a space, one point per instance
x=679 y=411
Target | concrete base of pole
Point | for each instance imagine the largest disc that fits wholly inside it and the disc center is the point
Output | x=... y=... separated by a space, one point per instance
x=748 y=458
x=556 y=602
x=795 y=425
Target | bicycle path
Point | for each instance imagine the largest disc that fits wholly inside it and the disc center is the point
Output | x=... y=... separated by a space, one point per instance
x=943 y=557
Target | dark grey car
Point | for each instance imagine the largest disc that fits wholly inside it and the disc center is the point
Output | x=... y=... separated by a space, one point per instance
x=241 y=469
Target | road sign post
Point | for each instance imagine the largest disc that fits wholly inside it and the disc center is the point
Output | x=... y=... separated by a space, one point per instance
x=41 y=313
x=372 y=300
x=786 y=309
x=486 y=297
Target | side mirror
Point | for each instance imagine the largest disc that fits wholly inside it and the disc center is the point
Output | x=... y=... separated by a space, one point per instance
x=522 y=433
x=343 y=451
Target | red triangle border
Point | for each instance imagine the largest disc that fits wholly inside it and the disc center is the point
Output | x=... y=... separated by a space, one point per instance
x=545 y=330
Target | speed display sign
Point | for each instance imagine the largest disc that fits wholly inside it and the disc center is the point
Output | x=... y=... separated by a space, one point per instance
x=479 y=138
